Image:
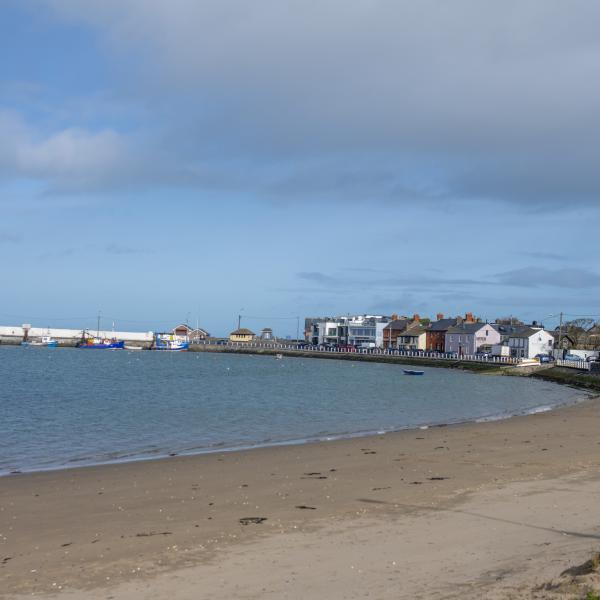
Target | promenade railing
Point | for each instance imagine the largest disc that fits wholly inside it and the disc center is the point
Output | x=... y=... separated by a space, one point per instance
x=582 y=365
x=426 y=355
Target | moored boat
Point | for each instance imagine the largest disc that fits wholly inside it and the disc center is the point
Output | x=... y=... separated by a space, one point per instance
x=45 y=341
x=102 y=344
x=170 y=343
x=413 y=372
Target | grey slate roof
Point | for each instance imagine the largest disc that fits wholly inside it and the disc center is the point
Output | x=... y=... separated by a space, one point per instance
x=469 y=327
x=524 y=332
x=398 y=324
x=414 y=331
x=442 y=324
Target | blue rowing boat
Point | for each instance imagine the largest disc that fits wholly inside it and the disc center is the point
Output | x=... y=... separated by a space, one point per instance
x=413 y=372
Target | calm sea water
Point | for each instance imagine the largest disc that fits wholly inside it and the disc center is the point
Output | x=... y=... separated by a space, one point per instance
x=69 y=407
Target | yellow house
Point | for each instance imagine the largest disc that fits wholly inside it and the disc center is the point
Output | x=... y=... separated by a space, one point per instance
x=242 y=335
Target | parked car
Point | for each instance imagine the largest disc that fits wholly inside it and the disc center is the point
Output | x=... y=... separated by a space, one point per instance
x=222 y=342
x=572 y=357
x=593 y=359
x=544 y=358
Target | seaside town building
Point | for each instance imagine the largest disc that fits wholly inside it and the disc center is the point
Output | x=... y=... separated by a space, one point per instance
x=413 y=338
x=470 y=338
x=186 y=333
x=435 y=339
x=529 y=342
x=394 y=329
x=266 y=335
x=242 y=335
x=356 y=330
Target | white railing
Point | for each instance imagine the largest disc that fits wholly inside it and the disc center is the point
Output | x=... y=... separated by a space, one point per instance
x=507 y=360
x=582 y=365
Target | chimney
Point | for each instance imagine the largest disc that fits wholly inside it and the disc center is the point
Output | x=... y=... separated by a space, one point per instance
x=469 y=318
x=439 y=316
x=416 y=318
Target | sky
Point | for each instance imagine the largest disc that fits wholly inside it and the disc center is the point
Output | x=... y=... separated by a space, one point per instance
x=192 y=160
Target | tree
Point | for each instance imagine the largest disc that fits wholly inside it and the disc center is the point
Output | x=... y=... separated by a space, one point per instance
x=579 y=331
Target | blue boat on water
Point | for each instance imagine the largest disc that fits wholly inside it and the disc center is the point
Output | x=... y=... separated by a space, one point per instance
x=413 y=372
x=102 y=344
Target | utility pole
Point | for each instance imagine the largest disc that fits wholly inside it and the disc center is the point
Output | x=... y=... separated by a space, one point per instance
x=560 y=332
x=98 y=330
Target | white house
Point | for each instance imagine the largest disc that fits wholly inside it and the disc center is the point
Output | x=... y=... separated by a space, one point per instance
x=469 y=338
x=530 y=341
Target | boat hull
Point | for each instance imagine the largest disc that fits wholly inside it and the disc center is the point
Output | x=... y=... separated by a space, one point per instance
x=173 y=348
x=111 y=346
x=53 y=344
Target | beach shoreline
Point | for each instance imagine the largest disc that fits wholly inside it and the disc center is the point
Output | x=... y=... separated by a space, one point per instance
x=324 y=438
x=93 y=528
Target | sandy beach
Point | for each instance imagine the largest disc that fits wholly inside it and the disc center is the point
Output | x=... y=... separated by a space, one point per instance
x=483 y=510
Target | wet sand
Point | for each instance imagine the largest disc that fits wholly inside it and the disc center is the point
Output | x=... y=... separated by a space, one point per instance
x=467 y=511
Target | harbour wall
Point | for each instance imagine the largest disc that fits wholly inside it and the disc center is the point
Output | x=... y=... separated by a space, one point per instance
x=14 y=335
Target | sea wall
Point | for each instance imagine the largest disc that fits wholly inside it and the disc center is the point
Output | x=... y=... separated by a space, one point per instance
x=355 y=356
x=12 y=334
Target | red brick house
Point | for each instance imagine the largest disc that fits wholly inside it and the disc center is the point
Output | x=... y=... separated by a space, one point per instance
x=435 y=339
x=394 y=329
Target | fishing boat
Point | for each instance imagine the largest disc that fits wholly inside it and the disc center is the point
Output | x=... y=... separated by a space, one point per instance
x=413 y=372
x=170 y=343
x=95 y=343
x=45 y=341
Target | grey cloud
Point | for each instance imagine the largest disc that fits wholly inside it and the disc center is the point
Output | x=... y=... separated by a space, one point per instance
x=65 y=253
x=546 y=256
x=373 y=280
x=10 y=238
x=120 y=249
x=388 y=100
x=320 y=278
x=562 y=278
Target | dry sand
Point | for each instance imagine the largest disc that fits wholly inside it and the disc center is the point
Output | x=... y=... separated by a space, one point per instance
x=489 y=510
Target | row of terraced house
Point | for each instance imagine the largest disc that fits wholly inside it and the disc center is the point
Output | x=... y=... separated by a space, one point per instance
x=463 y=335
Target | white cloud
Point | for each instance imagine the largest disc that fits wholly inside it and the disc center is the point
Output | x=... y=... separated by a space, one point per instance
x=70 y=157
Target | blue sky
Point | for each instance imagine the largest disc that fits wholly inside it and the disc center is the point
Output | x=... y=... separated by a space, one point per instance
x=185 y=160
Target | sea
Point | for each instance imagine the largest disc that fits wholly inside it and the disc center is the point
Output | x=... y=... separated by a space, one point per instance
x=67 y=407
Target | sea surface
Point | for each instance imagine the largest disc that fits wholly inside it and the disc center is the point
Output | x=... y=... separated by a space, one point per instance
x=67 y=407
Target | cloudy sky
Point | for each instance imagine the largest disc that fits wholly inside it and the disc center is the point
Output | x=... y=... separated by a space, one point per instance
x=163 y=161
